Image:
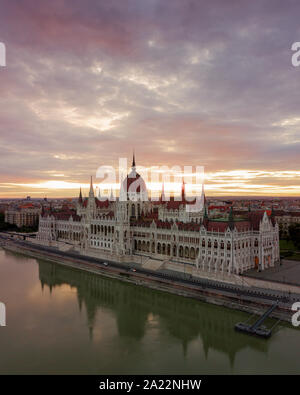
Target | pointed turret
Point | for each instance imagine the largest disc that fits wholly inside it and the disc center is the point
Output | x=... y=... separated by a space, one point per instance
x=91 y=201
x=183 y=191
x=133 y=173
x=80 y=197
x=112 y=197
x=91 y=193
x=163 y=197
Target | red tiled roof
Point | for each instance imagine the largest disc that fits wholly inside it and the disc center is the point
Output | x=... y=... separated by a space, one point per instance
x=254 y=218
x=174 y=203
x=63 y=215
x=217 y=226
x=134 y=184
x=188 y=226
x=99 y=203
x=102 y=203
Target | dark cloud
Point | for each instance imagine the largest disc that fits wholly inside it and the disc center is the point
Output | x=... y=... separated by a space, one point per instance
x=193 y=82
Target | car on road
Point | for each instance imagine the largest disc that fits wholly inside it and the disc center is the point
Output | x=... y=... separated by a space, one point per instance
x=105 y=263
x=133 y=270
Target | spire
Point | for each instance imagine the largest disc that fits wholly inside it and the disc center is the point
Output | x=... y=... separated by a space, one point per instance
x=112 y=197
x=162 y=197
x=80 y=196
x=183 y=191
x=91 y=193
x=133 y=160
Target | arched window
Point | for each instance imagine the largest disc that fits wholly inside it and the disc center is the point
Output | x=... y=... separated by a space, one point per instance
x=158 y=248
x=174 y=250
x=169 y=250
x=181 y=251
x=192 y=253
x=186 y=252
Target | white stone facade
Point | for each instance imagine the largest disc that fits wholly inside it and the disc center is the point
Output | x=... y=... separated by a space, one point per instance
x=137 y=227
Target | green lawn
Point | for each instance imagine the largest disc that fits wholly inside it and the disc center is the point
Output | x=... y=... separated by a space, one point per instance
x=295 y=257
x=286 y=247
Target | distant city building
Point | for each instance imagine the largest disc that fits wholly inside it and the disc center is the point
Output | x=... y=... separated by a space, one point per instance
x=285 y=219
x=23 y=215
x=165 y=234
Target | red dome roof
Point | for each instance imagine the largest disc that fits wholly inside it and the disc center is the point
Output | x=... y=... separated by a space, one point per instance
x=134 y=183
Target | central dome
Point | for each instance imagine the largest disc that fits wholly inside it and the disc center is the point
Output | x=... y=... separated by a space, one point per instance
x=134 y=182
x=134 y=186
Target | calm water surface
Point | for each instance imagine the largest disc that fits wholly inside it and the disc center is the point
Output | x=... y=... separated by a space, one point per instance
x=61 y=320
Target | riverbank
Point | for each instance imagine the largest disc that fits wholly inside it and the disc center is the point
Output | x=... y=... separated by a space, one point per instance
x=205 y=292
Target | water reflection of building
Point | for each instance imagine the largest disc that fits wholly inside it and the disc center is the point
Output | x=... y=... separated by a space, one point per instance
x=184 y=319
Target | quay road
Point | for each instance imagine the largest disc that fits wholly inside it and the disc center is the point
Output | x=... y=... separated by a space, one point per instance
x=242 y=293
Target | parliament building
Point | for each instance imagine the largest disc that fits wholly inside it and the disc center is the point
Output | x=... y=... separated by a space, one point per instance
x=166 y=234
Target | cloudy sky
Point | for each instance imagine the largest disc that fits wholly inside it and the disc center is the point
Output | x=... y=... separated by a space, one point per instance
x=195 y=83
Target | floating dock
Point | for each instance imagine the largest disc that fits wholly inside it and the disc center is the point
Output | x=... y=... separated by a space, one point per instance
x=257 y=328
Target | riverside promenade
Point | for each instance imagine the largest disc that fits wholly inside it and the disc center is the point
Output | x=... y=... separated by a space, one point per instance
x=287 y=272
x=251 y=299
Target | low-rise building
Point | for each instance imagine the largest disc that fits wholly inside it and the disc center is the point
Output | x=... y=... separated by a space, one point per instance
x=23 y=215
x=285 y=219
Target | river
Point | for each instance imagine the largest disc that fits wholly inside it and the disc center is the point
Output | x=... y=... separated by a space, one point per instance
x=62 y=320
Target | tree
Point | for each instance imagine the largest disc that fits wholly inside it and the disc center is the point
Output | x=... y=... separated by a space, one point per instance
x=294 y=231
